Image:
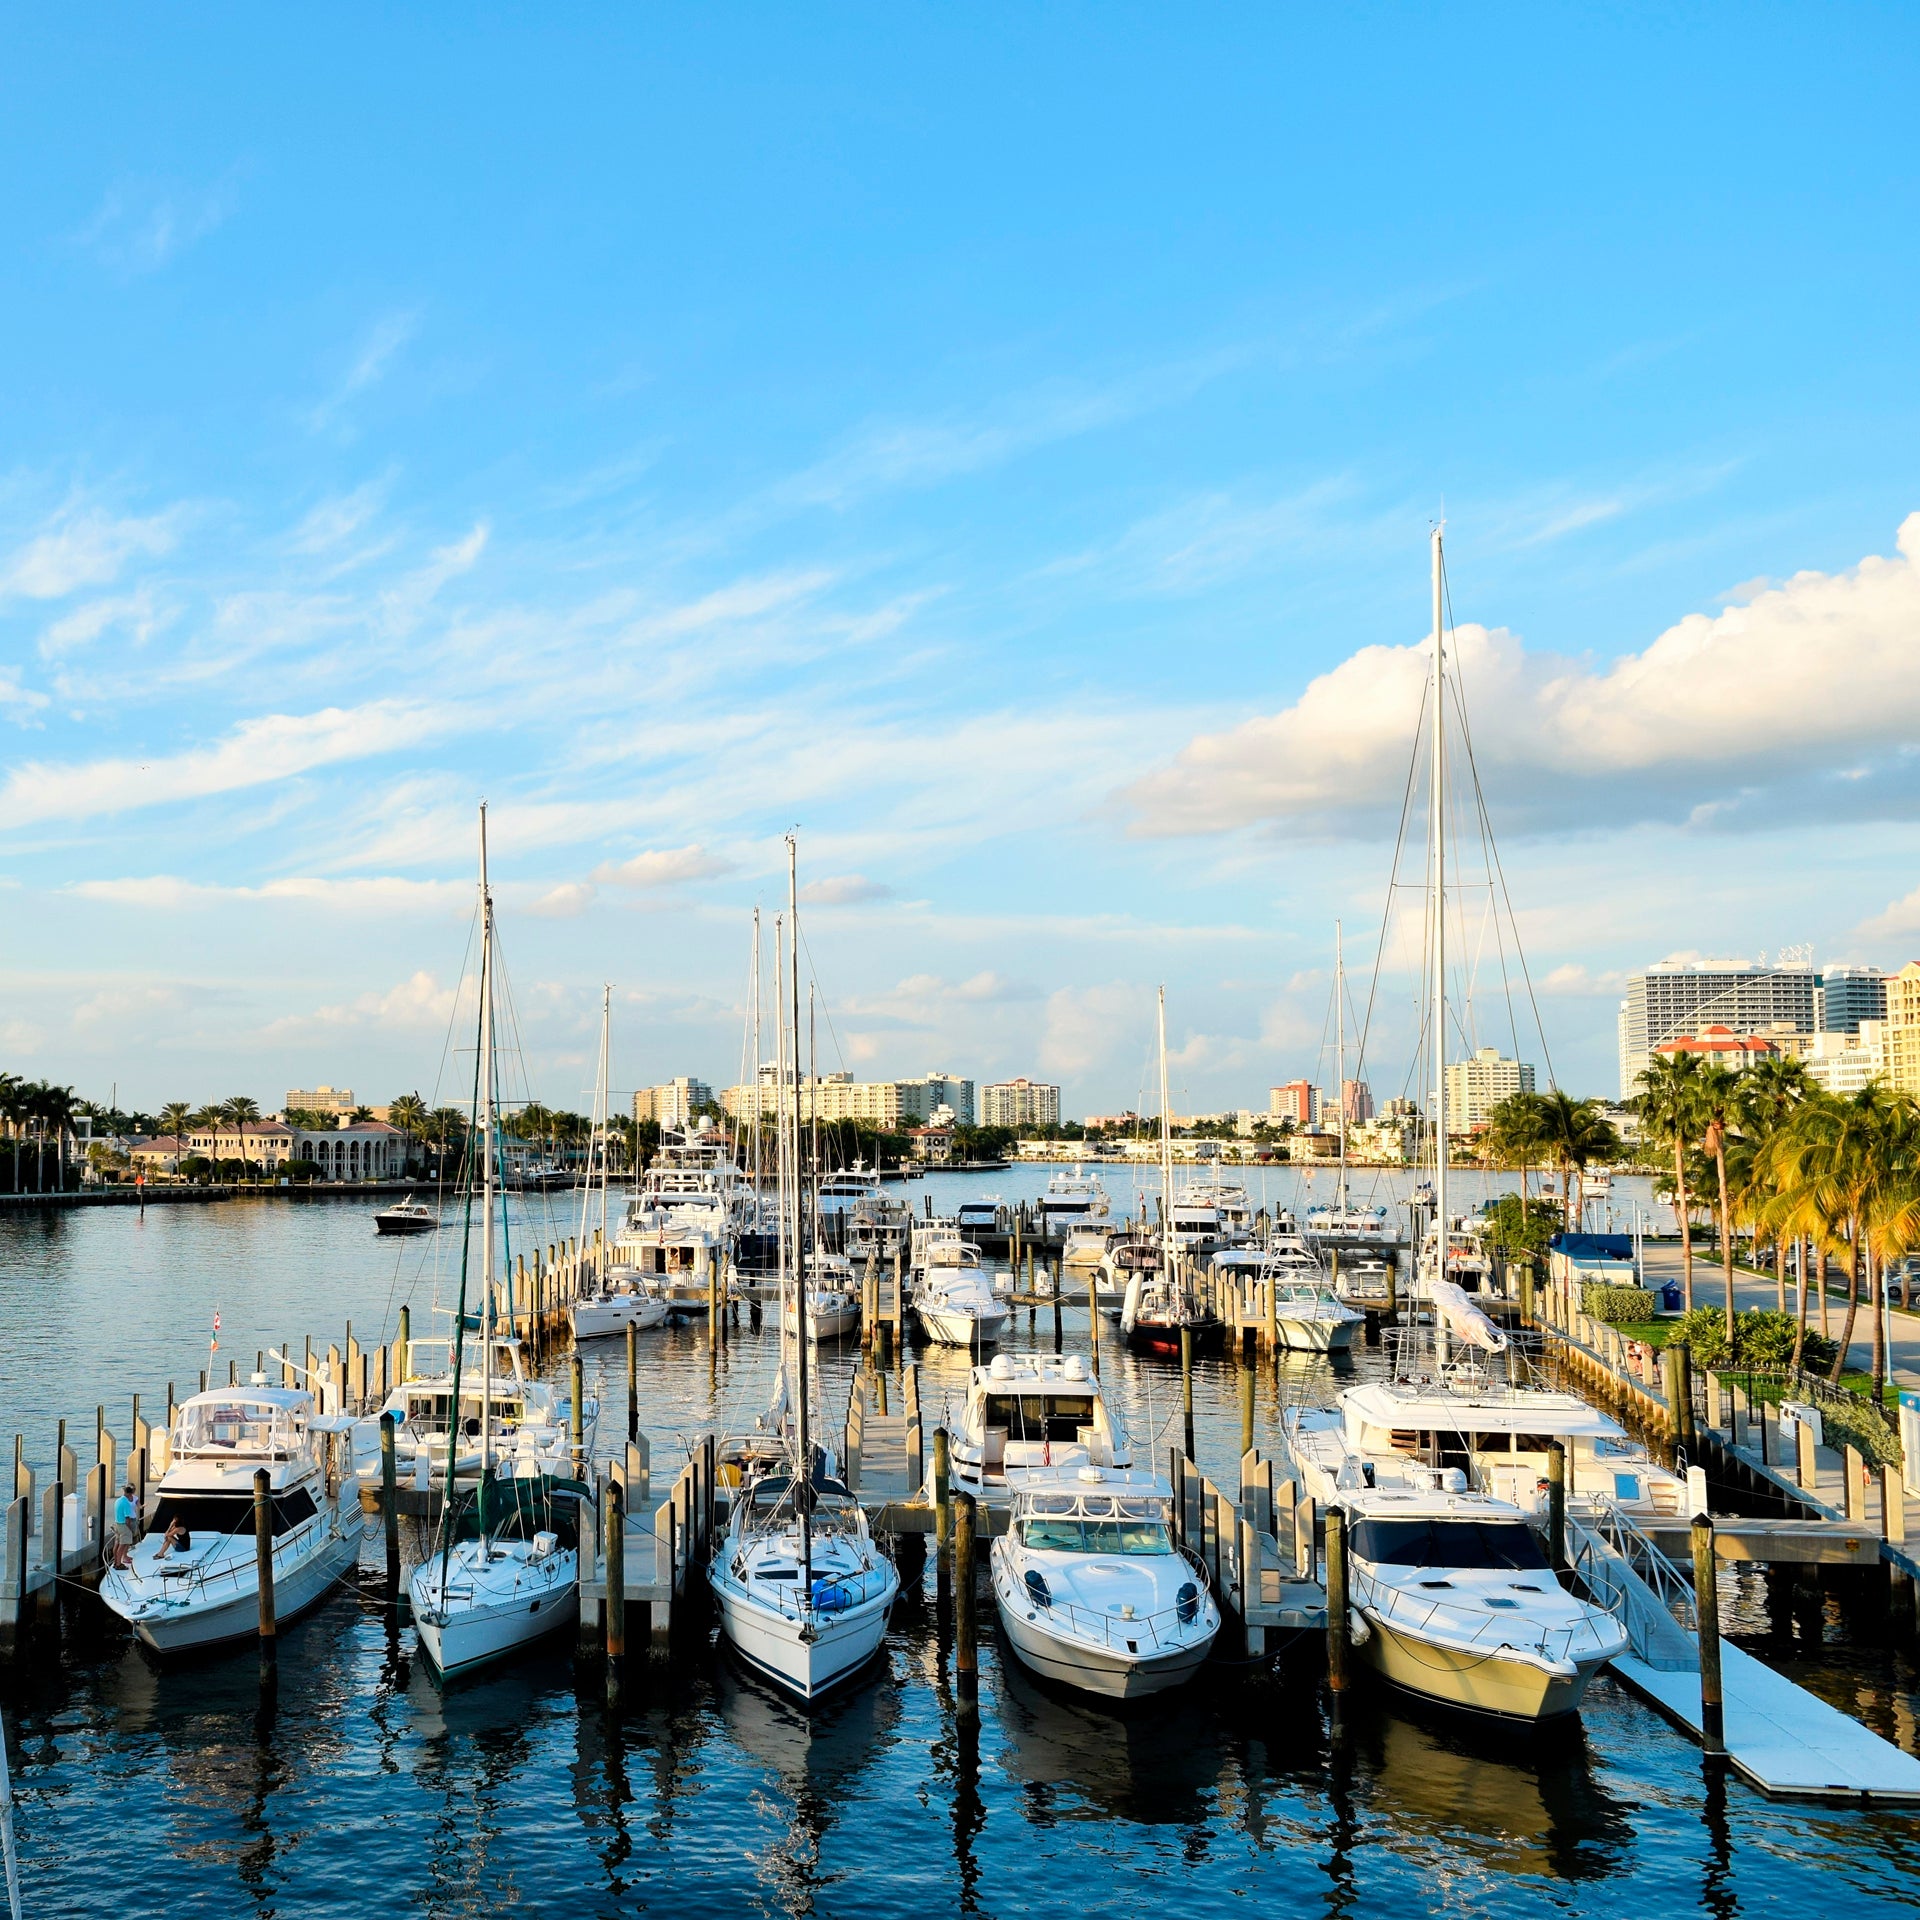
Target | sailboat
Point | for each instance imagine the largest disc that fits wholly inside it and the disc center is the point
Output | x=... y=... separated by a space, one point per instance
x=517 y=1579
x=1160 y=1307
x=803 y=1591
x=619 y=1297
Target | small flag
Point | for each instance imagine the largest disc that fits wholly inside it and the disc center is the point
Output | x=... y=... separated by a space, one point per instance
x=213 y=1345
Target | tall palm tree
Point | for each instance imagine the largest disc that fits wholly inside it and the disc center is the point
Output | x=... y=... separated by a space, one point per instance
x=1514 y=1137
x=1719 y=1096
x=239 y=1112
x=1670 y=1112
x=13 y=1112
x=1573 y=1134
x=54 y=1107
x=1770 y=1092
x=175 y=1117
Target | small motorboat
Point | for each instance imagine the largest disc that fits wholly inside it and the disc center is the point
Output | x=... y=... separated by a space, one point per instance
x=405 y=1216
x=1092 y=1589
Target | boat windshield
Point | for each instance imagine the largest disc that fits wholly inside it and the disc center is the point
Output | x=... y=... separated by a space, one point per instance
x=235 y=1426
x=1475 y=1546
x=1039 y=1416
x=1048 y=1534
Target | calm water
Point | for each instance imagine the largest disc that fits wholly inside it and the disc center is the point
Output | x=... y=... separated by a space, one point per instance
x=359 y=1787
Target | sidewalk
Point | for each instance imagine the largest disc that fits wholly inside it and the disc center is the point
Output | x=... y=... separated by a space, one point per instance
x=1757 y=1290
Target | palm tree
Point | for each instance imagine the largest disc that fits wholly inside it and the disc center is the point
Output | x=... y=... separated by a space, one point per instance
x=1573 y=1134
x=1719 y=1094
x=239 y=1112
x=1770 y=1092
x=53 y=1109
x=13 y=1111
x=175 y=1117
x=1514 y=1137
x=1670 y=1112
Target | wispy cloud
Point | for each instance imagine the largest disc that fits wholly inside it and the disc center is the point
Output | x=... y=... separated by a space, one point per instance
x=272 y=747
x=137 y=228
x=375 y=355
x=84 y=546
x=379 y=897
x=844 y=890
x=663 y=868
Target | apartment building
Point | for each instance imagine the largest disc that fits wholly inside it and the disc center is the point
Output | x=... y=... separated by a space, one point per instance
x=1019 y=1103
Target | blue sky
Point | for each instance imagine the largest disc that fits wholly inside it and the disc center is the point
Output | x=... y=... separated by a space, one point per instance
x=1002 y=447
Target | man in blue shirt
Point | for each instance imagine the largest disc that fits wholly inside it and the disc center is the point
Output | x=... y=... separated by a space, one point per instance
x=120 y=1535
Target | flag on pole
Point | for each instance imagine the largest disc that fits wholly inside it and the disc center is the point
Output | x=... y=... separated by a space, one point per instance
x=213 y=1344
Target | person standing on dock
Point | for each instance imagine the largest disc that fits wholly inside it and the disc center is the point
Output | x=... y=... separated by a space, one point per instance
x=126 y=1515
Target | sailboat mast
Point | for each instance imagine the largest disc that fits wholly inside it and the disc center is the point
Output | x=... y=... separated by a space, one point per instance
x=1438 y=806
x=1340 y=1058
x=606 y=1113
x=803 y=1479
x=754 y=1069
x=1166 y=1158
x=486 y=1215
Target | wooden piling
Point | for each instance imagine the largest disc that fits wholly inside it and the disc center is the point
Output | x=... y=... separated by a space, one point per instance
x=966 y=1652
x=616 y=1549
x=403 y=1359
x=942 y=1511
x=1093 y=1318
x=1186 y=1383
x=1557 y=1505
x=390 y=1503
x=263 y=1557
x=576 y=1418
x=1246 y=1409
x=1337 y=1600
x=633 y=1383
x=1706 y=1608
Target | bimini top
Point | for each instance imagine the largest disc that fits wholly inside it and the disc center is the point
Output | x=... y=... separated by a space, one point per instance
x=1056 y=1372
x=253 y=1419
x=1489 y=1408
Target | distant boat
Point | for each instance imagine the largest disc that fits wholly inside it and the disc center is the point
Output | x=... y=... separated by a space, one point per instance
x=405 y=1216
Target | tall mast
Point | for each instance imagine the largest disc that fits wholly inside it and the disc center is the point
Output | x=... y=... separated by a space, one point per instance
x=1340 y=1058
x=782 y=1250
x=754 y=1069
x=803 y=1479
x=486 y=1215
x=1166 y=1159
x=603 y=1118
x=1438 y=807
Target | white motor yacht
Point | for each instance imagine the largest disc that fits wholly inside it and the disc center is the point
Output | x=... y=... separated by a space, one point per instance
x=1217 y=1210
x=981 y=1214
x=1092 y=1589
x=1307 y=1315
x=952 y=1294
x=1072 y=1197
x=1349 y=1227
x=1027 y=1413
x=405 y=1217
x=846 y=1192
x=1087 y=1243
x=203 y=1586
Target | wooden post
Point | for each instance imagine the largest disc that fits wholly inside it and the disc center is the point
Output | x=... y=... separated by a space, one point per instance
x=1337 y=1600
x=1056 y=1314
x=1706 y=1607
x=633 y=1383
x=1855 y=1507
x=1557 y=1505
x=966 y=1653
x=615 y=1506
x=1270 y=1294
x=1093 y=1318
x=1246 y=1410
x=942 y=1511
x=390 y=1503
x=1186 y=1383
x=263 y=1557
x=1806 y=1461
x=576 y=1418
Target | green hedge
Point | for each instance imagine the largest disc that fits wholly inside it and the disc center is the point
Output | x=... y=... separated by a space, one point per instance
x=1845 y=1423
x=1617 y=1306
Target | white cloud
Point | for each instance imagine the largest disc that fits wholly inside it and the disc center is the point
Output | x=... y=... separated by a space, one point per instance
x=163 y=893
x=844 y=890
x=663 y=868
x=18 y=701
x=1088 y=1028
x=273 y=747
x=133 y=613
x=563 y=902
x=417 y=1003
x=1722 y=713
x=1577 y=980
x=384 y=340
x=138 y=229
x=82 y=546
x=336 y=519
x=119 y=1008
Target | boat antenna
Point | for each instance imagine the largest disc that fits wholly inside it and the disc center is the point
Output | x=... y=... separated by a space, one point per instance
x=1340 y=1060
x=1166 y=1162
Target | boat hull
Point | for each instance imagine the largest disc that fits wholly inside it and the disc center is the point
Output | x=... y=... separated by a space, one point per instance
x=1478 y=1682
x=826 y=1323
x=1316 y=1336
x=597 y=1319
x=1209 y=1336
x=381 y=1224
x=770 y=1643
x=296 y=1589
x=469 y=1637
x=1098 y=1670
x=949 y=1327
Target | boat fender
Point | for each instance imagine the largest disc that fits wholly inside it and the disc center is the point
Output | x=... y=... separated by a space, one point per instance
x=1189 y=1603
x=1037 y=1589
x=1358 y=1631
x=830 y=1597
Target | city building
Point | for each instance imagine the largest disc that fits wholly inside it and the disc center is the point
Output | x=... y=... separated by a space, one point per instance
x=162 y=1154
x=1475 y=1087
x=364 y=1150
x=1019 y=1103
x=1680 y=997
x=1356 y=1102
x=1845 y=1063
x=1112 y=1122
x=1846 y=996
x=673 y=1104
x=1722 y=1044
x=334 y=1100
x=887 y=1104
x=1902 y=1031
x=1298 y=1101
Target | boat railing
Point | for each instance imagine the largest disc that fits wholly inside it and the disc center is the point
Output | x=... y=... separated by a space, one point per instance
x=1115 y=1631
x=1466 y=1625
x=1625 y=1572
x=203 y=1576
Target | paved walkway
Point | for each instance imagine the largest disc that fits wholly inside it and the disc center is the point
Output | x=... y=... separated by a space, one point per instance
x=1663 y=1263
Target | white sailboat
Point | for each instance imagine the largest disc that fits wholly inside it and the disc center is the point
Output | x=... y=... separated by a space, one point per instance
x=619 y=1297
x=802 y=1590
x=476 y=1601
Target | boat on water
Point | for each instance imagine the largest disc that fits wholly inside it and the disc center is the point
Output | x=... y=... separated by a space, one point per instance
x=194 y=1580
x=1211 y=1213
x=1028 y=1413
x=405 y=1216
x=880 y=1230
x=1087 y=1243
x=833 y=1298
x=1308 y=1315
x=802 y=1589
x=618 y=1300
x=1072 y=1197
x=952 y=1294
x=849 y=1190
x=483 y=1595
x=1092 y=1589
x=981 y=1214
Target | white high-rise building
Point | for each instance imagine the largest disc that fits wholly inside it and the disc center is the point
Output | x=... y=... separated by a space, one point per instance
x=1019 y=1103
x=673 y=1103
x=1475 y=1087
x=1680 y=998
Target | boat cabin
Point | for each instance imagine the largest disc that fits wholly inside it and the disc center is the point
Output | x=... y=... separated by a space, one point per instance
x=1032 y=1410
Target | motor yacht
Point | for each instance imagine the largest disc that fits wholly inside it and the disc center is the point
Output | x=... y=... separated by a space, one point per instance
x=980 y=1214
x=846 y=1192
x=1027 y=1412
x=1087 y=1243
x=1308 y=1316
x=1072 y=1197
x=405 y=1217
x=952 y=1294
x=878 y=1229
x=1217 y=1211
x=203 y=1586
x=1349 y=1228
x=1092 y=1589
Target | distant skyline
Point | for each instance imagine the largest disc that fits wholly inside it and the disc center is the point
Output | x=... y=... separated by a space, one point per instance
x=1003 y=452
